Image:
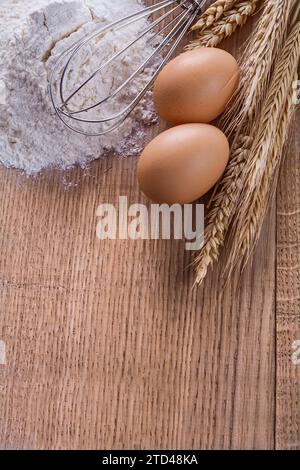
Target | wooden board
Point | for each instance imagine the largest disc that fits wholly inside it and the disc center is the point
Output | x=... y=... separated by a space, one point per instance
x=108 y=346
x=105 y=345
x=288 y=299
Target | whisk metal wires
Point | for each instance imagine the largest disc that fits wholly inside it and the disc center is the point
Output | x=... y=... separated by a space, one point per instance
x=163 y=26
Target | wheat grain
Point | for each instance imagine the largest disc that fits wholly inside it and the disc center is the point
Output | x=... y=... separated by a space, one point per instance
x=225 y=26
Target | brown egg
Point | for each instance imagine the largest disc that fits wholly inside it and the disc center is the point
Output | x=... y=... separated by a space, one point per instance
x=183 y=163
x=196 y=86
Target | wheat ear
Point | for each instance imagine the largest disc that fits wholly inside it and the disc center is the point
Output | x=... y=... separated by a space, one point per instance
x=252 y=226
x=256 y=65
x=264 y=155
x=220 y=215
x=213 y=14
x=226 y=196
x=225 y=26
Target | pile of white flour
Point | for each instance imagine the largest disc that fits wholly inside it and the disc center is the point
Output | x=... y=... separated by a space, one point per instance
x=33 y=34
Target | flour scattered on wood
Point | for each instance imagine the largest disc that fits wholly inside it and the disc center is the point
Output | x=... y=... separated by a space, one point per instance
x=33 y=35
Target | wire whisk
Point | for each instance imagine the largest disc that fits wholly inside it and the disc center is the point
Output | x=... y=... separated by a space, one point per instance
x=85 y=108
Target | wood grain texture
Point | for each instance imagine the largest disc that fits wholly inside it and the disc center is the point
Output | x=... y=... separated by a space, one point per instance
x=107 y=344
x=288 y=299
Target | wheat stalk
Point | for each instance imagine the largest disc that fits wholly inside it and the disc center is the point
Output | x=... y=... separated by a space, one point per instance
x=213 y=14
x=265 y=44
x=225 y=26
x=296 y=12
x=265 y=154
